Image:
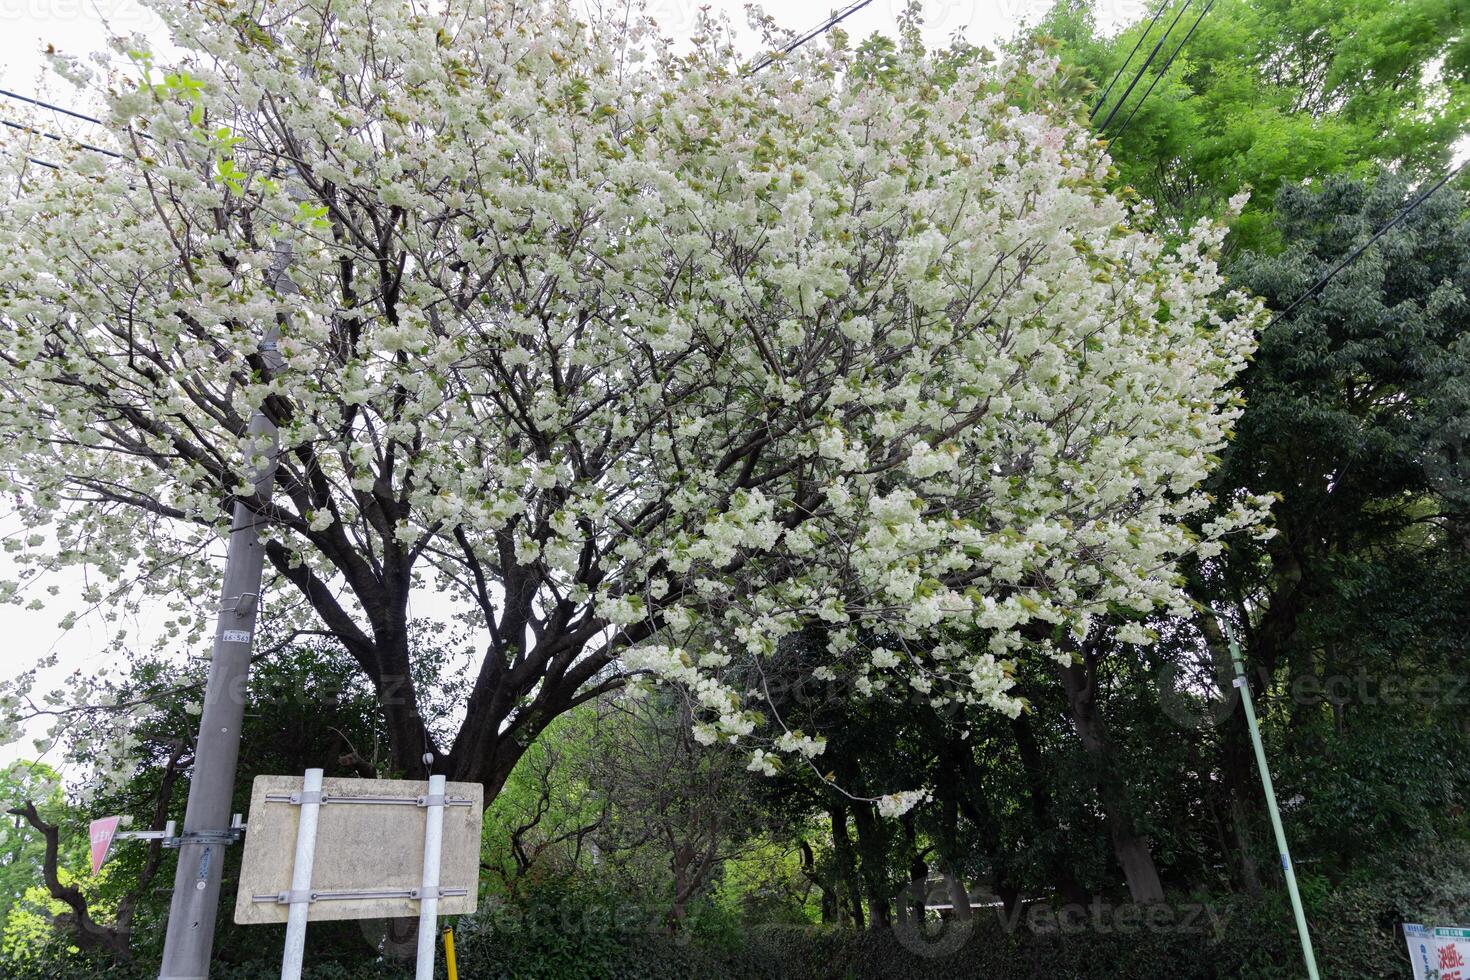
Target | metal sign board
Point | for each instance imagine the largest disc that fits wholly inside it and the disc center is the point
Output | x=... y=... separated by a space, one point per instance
x=1442 y=952
x=369 y=860
x=101 y=833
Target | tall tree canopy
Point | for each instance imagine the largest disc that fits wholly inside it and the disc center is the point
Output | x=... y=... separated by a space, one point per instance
x=632 y=355
x=1273 y=92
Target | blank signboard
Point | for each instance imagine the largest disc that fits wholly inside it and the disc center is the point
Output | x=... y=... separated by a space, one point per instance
x=364 y=843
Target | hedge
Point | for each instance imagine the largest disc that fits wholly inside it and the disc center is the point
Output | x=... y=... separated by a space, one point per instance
x=570 y=933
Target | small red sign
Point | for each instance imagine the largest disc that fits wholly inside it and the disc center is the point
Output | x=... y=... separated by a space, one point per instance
x=102 y=833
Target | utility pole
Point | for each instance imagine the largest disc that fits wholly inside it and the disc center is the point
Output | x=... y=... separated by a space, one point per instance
x=191 y=915
x=1243 y=683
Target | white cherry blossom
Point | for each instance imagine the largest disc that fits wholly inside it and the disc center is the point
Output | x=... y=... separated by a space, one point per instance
x=646 y=360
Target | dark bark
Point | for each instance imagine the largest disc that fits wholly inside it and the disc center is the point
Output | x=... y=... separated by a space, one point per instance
x=872 y=838
x=88 y=933
x=918 y=886
x=517 y=692
x=951 y=853
x=1079 y=681
x=1043 y=816
x=824 y=885
x=113 y=939
x=691 y=867
x=967 y=791
x=846 y=863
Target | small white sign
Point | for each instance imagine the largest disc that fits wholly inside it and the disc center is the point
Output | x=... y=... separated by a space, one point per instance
x=235 y=636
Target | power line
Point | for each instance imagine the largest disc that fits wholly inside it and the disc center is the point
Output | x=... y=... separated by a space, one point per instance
x=1144 y=67
x=815 y=32
x=16 y=96
x=1136 y=45
x=60 y=139
x=54 y=108
x=37 y=161
x=6 y=93
x=1353 y=255
x=1164 y=70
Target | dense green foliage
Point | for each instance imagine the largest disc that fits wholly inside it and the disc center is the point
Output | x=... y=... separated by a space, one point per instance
x=562 y=932
x=1269 y=93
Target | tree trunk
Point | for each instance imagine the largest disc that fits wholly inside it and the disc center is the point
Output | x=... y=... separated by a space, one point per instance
x=846 y=865
x=873 y=848
x=950 y=854
x=1069 y=889
x=86 y=932
x=830 y=911
x=1129 y=847
x=957 y=755
x=918 y=889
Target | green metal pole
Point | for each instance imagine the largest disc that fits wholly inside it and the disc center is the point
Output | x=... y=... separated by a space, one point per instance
x=1286 y=867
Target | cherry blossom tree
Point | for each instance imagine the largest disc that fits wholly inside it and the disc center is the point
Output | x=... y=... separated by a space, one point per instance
x=642 y=359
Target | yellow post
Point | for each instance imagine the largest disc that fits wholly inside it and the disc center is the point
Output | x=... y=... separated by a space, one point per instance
x=449 y=954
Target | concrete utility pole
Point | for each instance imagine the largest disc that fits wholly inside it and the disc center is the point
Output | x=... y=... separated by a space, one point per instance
x=190 y=938
x=1288 y=871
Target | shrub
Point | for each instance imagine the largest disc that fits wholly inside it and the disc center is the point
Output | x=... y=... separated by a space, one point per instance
x=570 y=929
